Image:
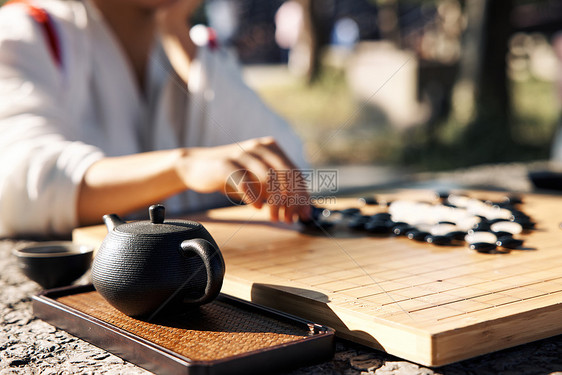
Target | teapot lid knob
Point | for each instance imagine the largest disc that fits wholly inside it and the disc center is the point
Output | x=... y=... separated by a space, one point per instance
x=156 y=213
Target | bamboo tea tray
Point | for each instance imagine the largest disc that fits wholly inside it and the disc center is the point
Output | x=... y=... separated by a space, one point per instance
x=429 y=304
x=227 y=336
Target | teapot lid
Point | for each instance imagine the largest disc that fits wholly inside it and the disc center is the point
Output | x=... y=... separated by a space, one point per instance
x=156 y=224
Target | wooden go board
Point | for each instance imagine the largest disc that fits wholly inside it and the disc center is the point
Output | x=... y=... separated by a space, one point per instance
x=428 y=304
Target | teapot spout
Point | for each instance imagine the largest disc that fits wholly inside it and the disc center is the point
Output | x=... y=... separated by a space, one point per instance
x=111 y=221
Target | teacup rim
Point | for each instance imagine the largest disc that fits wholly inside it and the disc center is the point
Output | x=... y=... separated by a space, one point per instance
x=70 y=248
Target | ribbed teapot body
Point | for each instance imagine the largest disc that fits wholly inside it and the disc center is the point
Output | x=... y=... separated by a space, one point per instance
x=141 y=273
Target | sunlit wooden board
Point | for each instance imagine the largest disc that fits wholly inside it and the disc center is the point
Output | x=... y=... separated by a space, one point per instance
x=428 y=304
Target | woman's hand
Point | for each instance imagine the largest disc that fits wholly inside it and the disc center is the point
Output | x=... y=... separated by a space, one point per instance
x=256 y=170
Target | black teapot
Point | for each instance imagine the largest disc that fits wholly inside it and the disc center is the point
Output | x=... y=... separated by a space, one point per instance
x=144 y=267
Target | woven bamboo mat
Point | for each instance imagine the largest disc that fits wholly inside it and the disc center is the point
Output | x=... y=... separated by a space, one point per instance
x=211 y=332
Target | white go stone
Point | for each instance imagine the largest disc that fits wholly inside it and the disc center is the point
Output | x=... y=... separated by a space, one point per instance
x=507 y=226
x=459 y=200
x=444 y=213
x=477 y=207
x=410 y=212
x=475 y=237
x=424 y=227
x=442 y=229
x=401 y=210
x=468 y=222
x=457 y=215
x=498 y=213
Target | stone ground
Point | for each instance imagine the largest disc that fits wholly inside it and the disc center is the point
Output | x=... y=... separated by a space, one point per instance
x=31 y=346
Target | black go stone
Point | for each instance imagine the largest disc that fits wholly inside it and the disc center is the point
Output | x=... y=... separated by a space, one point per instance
x=457 y=235
x=358 y=222
x=474 y=230
x=493 y=221
x=527 y=225
x=379 y=226
x=382 y=216
x=524 y=220
x=321 y=224
x=519 y=215
x=350 y=212
x=507 y=206
x=316 y=212
x=483 y=247
x=438 y=240
x=502 y=233
x=506 y=203
x=446 y=222
x=334 y=217
x=399 y=224
x=417 y=235
x=509 y=242
x=513 y=199
x=442 y=194
x=316 y=223
x=317 y=226
x=483 y=225
x=369 y=201
x=402 y=229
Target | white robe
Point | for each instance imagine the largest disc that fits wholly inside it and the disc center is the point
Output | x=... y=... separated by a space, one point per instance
x=56 y=121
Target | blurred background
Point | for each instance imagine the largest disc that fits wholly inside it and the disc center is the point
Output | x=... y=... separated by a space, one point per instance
x=421 y=85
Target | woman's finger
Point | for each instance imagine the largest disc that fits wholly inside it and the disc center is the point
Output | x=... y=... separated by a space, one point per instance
x=274 y=212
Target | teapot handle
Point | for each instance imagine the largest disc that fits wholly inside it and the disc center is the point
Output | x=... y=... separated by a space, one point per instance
x=214 y=264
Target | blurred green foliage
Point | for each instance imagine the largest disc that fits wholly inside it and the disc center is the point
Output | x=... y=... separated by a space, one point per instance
x=337 y=129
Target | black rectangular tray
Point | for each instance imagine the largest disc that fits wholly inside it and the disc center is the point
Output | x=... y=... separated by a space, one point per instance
x=241 y=337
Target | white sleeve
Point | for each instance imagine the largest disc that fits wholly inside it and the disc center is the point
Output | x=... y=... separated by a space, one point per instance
x=225 y=110
x=40 y=166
